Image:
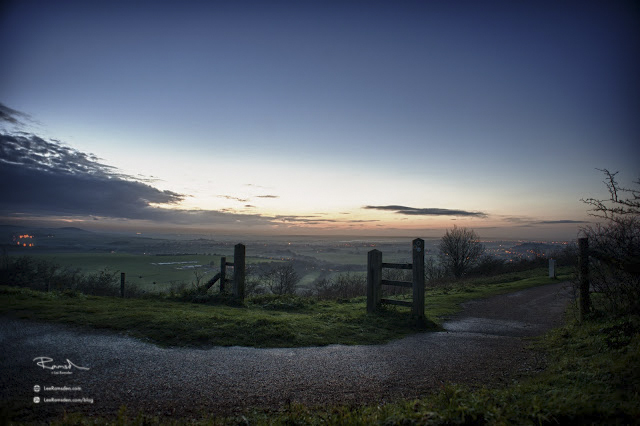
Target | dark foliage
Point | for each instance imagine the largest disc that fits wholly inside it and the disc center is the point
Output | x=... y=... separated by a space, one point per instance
x=281 y=279
x=460 y=250
x=43 y=275
x=614 y=246
x=285 y=302
x=344 y=286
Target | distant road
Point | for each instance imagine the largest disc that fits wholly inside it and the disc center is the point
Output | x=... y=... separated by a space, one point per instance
x=484 y=343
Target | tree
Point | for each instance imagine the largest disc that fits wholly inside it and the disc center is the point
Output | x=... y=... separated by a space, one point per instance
x=614 y=245
x=459 y=250
x=616 y=208
x=198 y=275
x=282 y=279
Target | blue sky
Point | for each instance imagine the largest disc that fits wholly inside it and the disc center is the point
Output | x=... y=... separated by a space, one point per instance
x=299 y=117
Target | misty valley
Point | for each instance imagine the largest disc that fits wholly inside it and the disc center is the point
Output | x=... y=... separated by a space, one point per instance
x=159 y=263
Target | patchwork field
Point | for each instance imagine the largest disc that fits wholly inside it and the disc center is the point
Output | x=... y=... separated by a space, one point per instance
x=156 y=273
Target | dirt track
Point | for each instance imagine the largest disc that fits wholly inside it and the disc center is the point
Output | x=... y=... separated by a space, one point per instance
x=483 y=343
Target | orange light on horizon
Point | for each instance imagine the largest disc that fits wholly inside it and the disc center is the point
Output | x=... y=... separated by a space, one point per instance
x=20 y=240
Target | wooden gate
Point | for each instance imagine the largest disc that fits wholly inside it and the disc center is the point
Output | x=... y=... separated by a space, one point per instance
x=238 y=272
x=375 y=282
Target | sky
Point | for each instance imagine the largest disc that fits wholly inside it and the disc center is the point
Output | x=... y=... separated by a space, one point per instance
x=317 y=117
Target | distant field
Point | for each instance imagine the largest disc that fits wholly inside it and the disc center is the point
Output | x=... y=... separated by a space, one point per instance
x=158 y=273
x=307 y=280
x=341 y=256
x=148 y=272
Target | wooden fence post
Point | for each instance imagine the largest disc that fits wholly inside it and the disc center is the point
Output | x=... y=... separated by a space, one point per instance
x=374 y=280
x=552 y=268
x=583 y=263
x=238 y=271
x=122 y=280
x=223 y=273
x=417 y=310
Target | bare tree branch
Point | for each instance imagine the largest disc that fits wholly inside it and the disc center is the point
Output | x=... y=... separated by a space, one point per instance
x=616 y=206
x=459 y=250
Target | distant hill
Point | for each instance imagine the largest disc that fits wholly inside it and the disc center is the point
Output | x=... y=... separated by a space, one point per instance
x=74 y=229
x=534 y=246
x=35 y=229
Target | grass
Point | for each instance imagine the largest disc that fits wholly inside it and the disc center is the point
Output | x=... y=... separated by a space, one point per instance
x=591 y=373
x=147 y=272
x=591 y=377
x=446 y=300
x=263 y=322
x=274 y=323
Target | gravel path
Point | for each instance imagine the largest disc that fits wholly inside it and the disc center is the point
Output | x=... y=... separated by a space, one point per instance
x=482 y=343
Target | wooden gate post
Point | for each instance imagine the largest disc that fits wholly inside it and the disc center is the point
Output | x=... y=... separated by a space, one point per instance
x=122 y=280
x=223 y=273
x=238 y=271
x=583 y=264
x=374 y=280
x=417 y=310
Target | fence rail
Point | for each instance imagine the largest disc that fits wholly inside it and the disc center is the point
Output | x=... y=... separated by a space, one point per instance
x=238 y=264
x=375 y=282
x=398 y=283
x=397 y=265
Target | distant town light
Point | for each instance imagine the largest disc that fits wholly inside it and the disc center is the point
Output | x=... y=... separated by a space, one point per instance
x=20 y=240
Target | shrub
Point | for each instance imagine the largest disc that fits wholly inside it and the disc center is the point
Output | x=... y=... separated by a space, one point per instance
x=344 y=286
x=615 y=246
x=281 y=279
x=44 y=275
x=460 y=250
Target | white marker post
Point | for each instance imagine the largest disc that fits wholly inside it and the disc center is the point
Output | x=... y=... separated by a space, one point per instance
x=552 y=268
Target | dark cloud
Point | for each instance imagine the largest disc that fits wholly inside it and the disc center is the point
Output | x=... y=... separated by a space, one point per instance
x=35 y=153
x=530 y=222
x=557 y=222
x=360 y=221
x=315 y=220
x=45 y=178
x=516 y=219
x=230 y=197
x=412 y=211
x=245 y=200
x=306 y=219
x=11 y=115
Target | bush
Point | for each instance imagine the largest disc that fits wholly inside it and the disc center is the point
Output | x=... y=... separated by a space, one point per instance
x=344 y=286
x=44 y=275
x=103 y=283
x=281 y=279
x=615 y=247
x=489 y=265
x=460 y=250
x=615 y=250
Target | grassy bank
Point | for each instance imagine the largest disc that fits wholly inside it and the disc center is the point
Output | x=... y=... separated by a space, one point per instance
x=591 y=377
x=590 y=373
x=262 y=322
x=283 y=322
